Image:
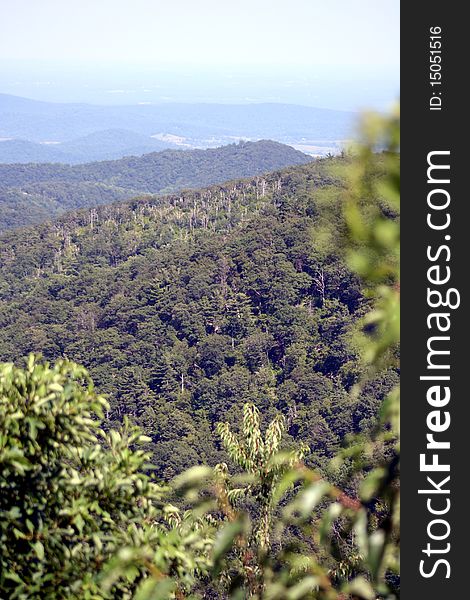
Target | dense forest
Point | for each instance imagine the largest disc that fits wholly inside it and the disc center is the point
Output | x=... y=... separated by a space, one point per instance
x=252 y=330
x=32 y=193
x=185 y=307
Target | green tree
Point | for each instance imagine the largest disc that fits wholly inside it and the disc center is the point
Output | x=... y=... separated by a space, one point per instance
x=74 y=500
x=260 y=457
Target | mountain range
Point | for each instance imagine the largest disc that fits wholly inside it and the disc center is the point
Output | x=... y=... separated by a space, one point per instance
x=32 y=193
x=36 y=131
x=186 y=306
x=100 y=145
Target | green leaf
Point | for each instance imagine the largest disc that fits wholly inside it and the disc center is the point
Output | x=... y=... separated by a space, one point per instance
x=225 y=539
x=39 y=549
x=362 y=588
x=311 y=496
x=13 y=577
x=56 y=387
x=79 y=523
x=151 y=589
x=371 y=483
x=305 y=587
x=286 y=483
x=15 y=513
x=376 y=549
x=360 y=529
x=193 y=477
x=331 y=514
x=131 y=573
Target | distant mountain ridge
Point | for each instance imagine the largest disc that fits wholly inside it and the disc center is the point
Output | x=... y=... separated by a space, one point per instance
x=192 y=125
x=32 y=193
x=108 y=144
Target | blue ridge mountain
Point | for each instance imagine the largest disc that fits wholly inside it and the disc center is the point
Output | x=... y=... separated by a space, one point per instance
x=32 y=193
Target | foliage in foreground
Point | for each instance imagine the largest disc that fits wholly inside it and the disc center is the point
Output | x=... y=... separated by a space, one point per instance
x=71 y=496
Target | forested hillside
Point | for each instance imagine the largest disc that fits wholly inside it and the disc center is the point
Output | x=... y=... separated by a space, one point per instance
x=32 y=193
x=186 y=306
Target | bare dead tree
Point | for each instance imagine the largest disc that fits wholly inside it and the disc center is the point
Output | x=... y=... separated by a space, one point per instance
x=319 y=283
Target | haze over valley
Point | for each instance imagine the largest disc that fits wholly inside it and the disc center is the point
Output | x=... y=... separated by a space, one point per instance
x=36 y=131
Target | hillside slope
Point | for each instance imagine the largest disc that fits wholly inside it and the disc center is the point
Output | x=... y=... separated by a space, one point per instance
x=186 y=306
x=37 y=192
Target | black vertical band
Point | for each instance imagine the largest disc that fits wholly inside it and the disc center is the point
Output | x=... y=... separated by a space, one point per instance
x=435 y=273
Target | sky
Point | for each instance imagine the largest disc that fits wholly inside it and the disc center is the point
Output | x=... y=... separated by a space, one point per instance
x=206 y=32
x=326 y=39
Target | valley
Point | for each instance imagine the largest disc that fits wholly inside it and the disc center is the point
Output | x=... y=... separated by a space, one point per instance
x=33 y=193
x=34 y=131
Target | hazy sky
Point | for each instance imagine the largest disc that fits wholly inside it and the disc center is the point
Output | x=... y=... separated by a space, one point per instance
x=206 y=32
